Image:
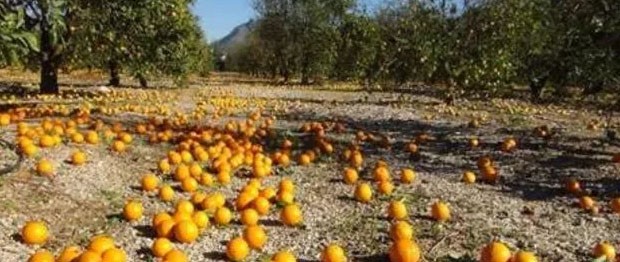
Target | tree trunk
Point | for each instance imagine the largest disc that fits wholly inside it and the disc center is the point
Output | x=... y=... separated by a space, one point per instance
x=305 y=72
x=593 y=88
x=142 y=80
x=115 y=78
x=49 y=65
x=536 y=87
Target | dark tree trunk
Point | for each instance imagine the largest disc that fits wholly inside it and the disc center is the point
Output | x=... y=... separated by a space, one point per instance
x=593 y=88
x=142 y=80
x=286 y=74
x=305 y=73
x=49 y=64
x=115 y=77
x=536 y=87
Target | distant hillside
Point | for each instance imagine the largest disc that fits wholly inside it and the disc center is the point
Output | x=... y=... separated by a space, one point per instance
x=237 y=36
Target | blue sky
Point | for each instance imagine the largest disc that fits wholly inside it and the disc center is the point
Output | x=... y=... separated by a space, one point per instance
x=219 y=17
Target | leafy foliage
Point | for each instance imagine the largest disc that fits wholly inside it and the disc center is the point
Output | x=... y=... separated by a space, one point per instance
x=475 y=45
x=15 y=39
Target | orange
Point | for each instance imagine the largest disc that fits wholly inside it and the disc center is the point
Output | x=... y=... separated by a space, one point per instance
x=401 y=230
x=484 y=161
x=78 y=158
x=283 y=256
x=41 y=256
x=509 y=144
x=164 y=228
x=412 y=148
x=469 y=177
x=182 y=172
x=92 y=137
x=524 y=256
x=45 y=167
x=495 y=252
x=586 y=202
x=187 y=157
x=174 y=158
x=572 y=185
x=404 y=250
x=186 y=231
x=46 y=141
x=126 y=138
x=350 y=176
x=255 y=236
x=286 y=185
x=5 y=119
x=223 y=177
x=605 y=249
x=164 y=166
x=189 y=185
x=440 y=211
x=222 y=216
x=249 y=217
x=381 y=174
x=615 y=205
x=333 y=253
x=286 y=197
x=195 y=170
x=357 y=160
x=35 y=233
x=407 y=176
x=206 y=179
x=237 y=249
x=118 y=146
x=397 y=210
x=175 y=255
x=291 y=215
x=184 y=207
x=30 y=150
x=243 y=200
x=363 y=193
x=166 y=193
x=201 y=219
x=385 y=187
x=89 y=256
x=68 y=254
x=77 y=138
x=268 y=193
x=100 y=244
x=160 y=217
x=474 y=142
x=304 y=159
x=133 y=211
x=261 y=205
x=489 y=173
x=149 y=182
x=114 y=255
x=161 y=247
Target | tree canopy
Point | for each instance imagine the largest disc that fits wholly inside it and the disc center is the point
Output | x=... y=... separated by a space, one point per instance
x=142 y=38
x=474 y=45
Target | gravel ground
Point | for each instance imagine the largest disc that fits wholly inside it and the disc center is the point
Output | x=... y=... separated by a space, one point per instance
x=528 y=209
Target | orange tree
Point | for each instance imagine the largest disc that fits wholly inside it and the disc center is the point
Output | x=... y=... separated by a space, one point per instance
x=145 y=37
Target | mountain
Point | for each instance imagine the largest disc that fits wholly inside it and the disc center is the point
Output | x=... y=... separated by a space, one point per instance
x=237 y=36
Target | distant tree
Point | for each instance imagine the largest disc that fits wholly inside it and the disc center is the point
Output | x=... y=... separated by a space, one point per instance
x=301 y=35
x=359 y=43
